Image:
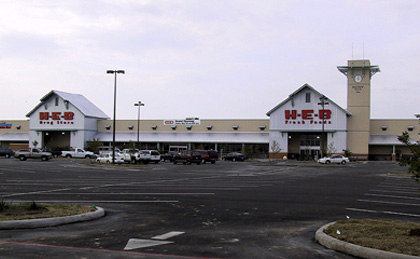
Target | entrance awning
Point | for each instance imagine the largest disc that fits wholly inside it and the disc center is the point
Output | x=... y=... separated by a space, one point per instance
x=257 y=138
x=383 y=140
x=14 y=137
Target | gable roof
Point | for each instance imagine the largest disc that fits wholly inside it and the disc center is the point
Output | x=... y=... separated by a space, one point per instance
x=78 y=101
x=300 y=89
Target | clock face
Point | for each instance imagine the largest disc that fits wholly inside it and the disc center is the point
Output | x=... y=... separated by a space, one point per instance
x=358 y=78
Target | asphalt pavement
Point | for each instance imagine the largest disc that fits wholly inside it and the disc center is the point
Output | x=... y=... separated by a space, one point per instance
x=225 y=210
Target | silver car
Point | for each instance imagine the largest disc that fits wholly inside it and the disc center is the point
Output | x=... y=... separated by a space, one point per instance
x=107 y=158
x=335 y=159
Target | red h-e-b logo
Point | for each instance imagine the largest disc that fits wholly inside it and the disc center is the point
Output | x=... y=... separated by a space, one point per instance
x=68 y=116
x=307 y=114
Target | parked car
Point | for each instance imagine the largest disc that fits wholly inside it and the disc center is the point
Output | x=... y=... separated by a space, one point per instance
x=234 y=156
x=77 y=153
x=154 y=156
x=130 y=155
x=22 y=155
x=169 y=156
x=107 y=149
x=209 y=156
x=107 y=158
x=336 y=159
x=6 y=152
x=148 y=156
x=55 y=153
x=188 y=157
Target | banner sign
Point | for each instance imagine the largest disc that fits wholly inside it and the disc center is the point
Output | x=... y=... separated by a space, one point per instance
x=187 y=121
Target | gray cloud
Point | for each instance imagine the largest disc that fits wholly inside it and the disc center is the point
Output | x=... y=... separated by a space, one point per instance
x=224 y=59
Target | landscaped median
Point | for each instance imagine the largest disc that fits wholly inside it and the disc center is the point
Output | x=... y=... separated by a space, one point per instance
x=372 y=238
x=32 y=215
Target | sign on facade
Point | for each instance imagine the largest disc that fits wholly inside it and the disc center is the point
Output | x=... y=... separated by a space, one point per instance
x=4 y=125
x=58 y=117
x=309 y=116
x=187 y=121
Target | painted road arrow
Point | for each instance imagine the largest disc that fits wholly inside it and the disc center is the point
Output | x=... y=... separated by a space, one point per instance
x=168 y=235
x=135 y=243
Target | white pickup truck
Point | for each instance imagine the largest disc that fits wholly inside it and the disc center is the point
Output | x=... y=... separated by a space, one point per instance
x=77 y=153
x=130 y=156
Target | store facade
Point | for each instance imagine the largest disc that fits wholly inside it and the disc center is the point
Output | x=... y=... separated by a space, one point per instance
x=306 y=125
x=63 y=120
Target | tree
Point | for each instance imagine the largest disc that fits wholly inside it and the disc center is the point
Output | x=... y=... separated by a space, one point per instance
x=275 y=148
x=331 y=148
x=93 y=145
x=347 y=153
x=413 y=163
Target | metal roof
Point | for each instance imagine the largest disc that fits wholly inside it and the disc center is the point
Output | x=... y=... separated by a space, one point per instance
x=78 y=101
x=300 y=89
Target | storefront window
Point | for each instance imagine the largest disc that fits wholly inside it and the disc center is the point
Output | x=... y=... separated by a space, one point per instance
x=310 y=140
x=308 y=97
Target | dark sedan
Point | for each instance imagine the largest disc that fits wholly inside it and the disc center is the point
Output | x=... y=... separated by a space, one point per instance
x=234 y=156
x=6 y=152
x=169 y=156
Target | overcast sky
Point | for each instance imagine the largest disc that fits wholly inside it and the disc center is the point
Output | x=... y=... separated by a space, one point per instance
x=213 y=59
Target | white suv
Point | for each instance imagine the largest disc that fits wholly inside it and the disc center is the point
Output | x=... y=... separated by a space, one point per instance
x=147 y=156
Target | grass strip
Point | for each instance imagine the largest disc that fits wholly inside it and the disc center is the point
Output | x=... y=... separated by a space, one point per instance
x=21 y=211
x=393 y=236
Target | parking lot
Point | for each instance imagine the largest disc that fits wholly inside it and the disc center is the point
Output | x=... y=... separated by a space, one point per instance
x=225 y=210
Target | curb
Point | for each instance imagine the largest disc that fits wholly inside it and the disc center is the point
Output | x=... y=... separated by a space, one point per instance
x=50 y=222
x=355 y=250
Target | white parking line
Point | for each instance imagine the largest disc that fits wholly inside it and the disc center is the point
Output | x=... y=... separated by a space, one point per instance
x=393 y=196
x=98 y=201
x=390 y=202
x=384 y=212
x=392 y=191
x=399 y=187
x=38 y=192
x=135 y=193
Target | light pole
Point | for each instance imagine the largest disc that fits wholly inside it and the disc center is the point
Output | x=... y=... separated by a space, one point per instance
x=139 y=104
x=115 y=72
x=323 y=101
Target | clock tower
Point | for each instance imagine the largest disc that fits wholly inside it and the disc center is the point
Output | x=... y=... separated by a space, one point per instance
x=359 y=74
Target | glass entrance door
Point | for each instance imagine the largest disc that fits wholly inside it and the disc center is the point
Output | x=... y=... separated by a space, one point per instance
x=309 y=147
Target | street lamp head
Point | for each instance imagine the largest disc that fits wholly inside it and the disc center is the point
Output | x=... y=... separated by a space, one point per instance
x=115 y=72
x=139 y=104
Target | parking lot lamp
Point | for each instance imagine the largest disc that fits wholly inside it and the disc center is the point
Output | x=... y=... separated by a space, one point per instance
x=139 y=104
x=115 y=72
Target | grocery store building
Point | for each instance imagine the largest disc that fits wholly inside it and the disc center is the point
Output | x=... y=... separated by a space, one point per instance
x=305 y=125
